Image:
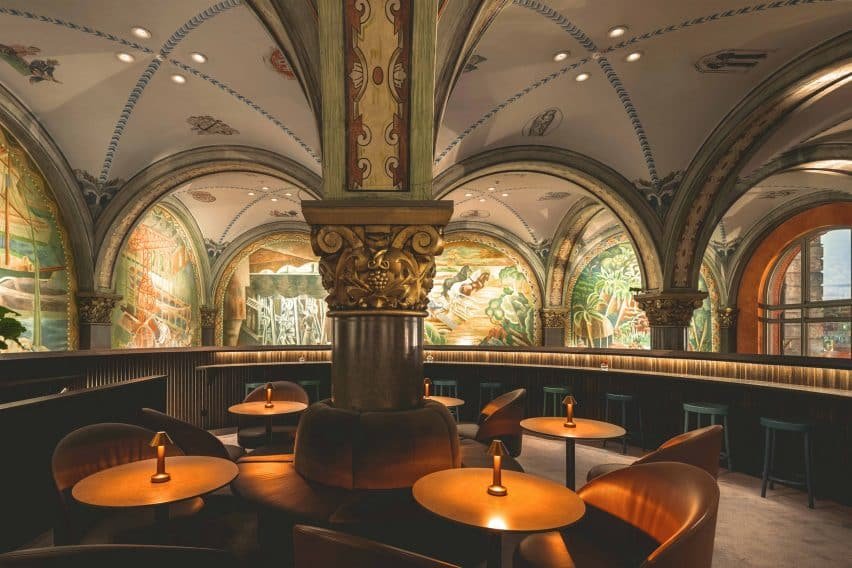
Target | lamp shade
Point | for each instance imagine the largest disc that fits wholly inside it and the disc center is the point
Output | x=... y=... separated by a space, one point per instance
x=569 y=400
x=161 y=439
x=497 y=448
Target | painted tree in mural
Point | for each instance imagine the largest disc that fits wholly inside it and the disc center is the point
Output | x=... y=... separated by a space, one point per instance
x=701 y=333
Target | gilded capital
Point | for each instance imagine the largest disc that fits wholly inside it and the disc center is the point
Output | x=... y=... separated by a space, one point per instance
x=208 y=316
x=96 y=307
x=669 y=309
x=554 y=317
x=728 y=317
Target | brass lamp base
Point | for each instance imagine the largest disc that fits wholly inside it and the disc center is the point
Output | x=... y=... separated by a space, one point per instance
x=160 y=477
x=268 y=405
x=497 y=490
x=570 y=425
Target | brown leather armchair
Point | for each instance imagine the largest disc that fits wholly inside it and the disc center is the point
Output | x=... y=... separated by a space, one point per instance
x=697 y=447
x=194 y=441
x=323 y=548
x=89 y=450
x=124 y=555
x=500 y=418
x=251 y=431
x=661 y=515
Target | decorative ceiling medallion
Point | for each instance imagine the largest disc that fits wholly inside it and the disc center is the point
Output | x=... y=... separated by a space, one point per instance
x=38 y=70
x=277 y=60
x=289 y=214
x=206 y=124
x=731 y=61
x=473 y=63
x=554 y=196
x=475 y=214
x=543 y=123
x=203 y=196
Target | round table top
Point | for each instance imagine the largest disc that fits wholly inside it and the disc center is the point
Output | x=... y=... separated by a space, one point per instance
x=533 y=504
x=258 y=408
x=129 y=485
x=586 y=429
x=447 y=401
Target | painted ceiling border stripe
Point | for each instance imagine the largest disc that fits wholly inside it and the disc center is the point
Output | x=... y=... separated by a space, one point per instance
x=508 y=207
x=251 y=204
x=170 y=44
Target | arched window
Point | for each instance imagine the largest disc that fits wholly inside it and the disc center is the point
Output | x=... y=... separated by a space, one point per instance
x=808 y=299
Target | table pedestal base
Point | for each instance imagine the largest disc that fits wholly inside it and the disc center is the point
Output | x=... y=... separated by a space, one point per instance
x=495 y=549
x=570 y=465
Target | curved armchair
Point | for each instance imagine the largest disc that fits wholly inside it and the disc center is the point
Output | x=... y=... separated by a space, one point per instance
x=662 y=515
x=194 y=441
x=697 y=447
x=124 y=555
x=501 y=418
x=251 y=432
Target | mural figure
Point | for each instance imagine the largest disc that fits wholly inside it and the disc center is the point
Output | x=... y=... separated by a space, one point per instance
x=484 y=298
x=37 y=70
x=158 y=279
x=35 y=276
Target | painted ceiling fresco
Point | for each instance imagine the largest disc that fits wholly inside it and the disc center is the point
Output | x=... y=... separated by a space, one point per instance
x=37 y=278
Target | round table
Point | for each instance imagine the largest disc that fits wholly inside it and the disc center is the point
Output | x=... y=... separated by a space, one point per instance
x=129 y=485
x=585 y=429
x=259 y=408
x=447 y=401
x=533 y=504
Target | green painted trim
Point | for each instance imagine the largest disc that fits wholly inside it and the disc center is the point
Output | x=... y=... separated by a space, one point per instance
x=422 y=103
x=333 y=86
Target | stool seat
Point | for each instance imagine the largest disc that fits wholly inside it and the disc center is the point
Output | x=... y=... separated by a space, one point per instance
x=557 y=390
x=711 y=409
x=617 y=397
x=491 y=389
x=786 y=425
x=490 y=384
x=447 y=387
x=772 y=425
x=624 y=399
x=706 y=408
x=553 y=396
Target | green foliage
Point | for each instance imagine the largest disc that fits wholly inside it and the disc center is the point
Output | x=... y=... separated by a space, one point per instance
x=10 y=328
x=432 y=335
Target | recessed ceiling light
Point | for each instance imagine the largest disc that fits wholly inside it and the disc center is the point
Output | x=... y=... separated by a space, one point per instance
x=125 y=57
x=561 y=55
x=635 y=56
x=274 y=199
x=468 y=195
x=491 y=188
x=289 y=194
x=505 y=194
x=482 y=200
x=581 y=77
x=617 y=31
x=198 y=57
x=178 y=78
x=265 y=188
x=141 y=32
x=251 y=193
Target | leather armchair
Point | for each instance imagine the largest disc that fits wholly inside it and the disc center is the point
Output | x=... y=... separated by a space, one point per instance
x=699 y=447
x=194 y=441
x=251 y=431
x=662 y=515
x=322 y=548
x=501 y=418
x=124 y=555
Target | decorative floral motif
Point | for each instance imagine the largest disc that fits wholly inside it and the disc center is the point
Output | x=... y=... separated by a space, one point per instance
x=202 y=196
x=473 y=63
x=97 y=194
x=672 y=309
x=728 y=317
x=278 y=61
x=206 y=124
x=660 y=196
x=208 y=316
x=214 y=248
x=543 y=123
x=475 y=214
x=554 y=196
x=555 y=318
x=96 y=308
x=290 y=214
x=730 y=61
x=38 y=70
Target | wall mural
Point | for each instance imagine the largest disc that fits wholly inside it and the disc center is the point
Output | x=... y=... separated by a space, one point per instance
x=703 y=333
x=273 y=295
x=484 y=294
x=36 y=270
x=157 y=275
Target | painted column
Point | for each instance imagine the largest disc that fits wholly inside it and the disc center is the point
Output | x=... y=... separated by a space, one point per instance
x=553 y=321
x=95 y=312
x=728 y=329
x=669 y=313
x=208 y=325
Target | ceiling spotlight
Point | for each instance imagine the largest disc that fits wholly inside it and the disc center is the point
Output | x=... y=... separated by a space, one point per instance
x=198 y=57
x=468 y=195
x=505 y=194
x=265 y=188
x=125 y=57
x=289 y=194
x=251 y=193
x=178 y=78
x=482 y=200
x=274 y=199
x=141 y=32
x=635 y=56
x=561 y=55
x=617 y=31
x=581 y=77
x=491 y=188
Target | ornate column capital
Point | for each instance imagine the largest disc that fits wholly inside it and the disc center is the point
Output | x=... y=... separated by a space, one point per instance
x=554 y=317
x=669 y=308
x=728 y=317
x=96 y=307
x=208 y=316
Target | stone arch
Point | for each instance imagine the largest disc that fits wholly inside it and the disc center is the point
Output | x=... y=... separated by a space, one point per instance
x=572 y=226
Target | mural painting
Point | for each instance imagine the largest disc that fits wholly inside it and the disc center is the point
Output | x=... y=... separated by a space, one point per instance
x=36 y=272
x=603 y=312
x=157 y=275
x=703 y=333
x=274 y=295
x=484 y=294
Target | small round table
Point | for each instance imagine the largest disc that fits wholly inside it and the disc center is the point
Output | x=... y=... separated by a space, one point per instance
x=129 y=485
x=259 y=408
x=532 y=504
x=447 y=401
x=585 y=429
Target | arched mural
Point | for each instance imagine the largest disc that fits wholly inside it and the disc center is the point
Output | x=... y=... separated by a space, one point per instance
x=703 y=333
x=37 y=277
x=271 y=294
x=157 y=275
x=485 y=293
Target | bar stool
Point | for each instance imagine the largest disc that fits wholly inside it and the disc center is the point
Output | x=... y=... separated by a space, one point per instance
x=624 y=400
x=311 y=385
x=553 y=396
x=447 y=387
x=492 y=389
x=712 y=410
x=253 y=385
x=772 y=425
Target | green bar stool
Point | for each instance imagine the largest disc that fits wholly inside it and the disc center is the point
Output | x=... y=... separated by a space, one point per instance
x=712 y=410
x=553 y=396
x=624 y=400
x=311 y=385
x=447 y=387
x=253 y=385
x=491 y=388
x=772 y=425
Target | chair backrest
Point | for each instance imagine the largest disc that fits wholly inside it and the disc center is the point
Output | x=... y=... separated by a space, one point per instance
x=194 y=441
x=281 y=390
x=124 y=555
x=673 y=503
x=316 y=547
x=501 y=418
x=697 y=447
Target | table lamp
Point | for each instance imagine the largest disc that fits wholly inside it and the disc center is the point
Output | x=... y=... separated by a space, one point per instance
x=497 y=450
x=569 y=402
x=159 y=441
x=427 y=383
x=268 y=396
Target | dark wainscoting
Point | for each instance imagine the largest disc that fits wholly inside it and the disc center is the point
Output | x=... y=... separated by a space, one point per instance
x=31 y=429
